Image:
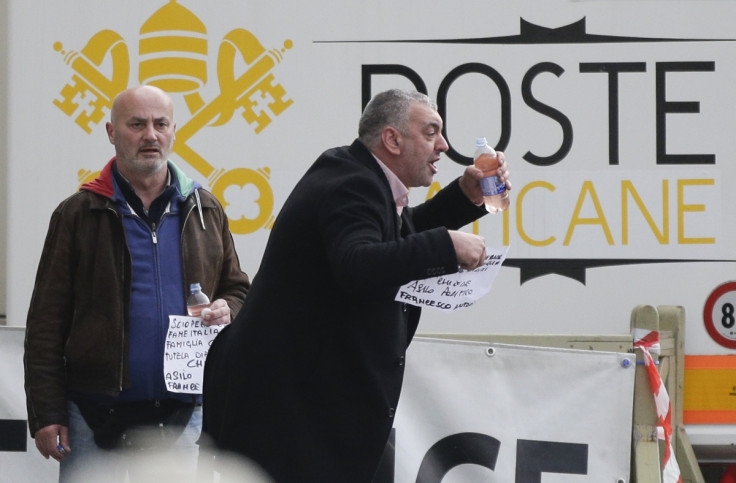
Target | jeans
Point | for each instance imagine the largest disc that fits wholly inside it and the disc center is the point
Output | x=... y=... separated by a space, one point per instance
x=86 y=462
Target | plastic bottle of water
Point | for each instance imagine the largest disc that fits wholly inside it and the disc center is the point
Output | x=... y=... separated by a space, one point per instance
x=197 y=300
x=495 y=195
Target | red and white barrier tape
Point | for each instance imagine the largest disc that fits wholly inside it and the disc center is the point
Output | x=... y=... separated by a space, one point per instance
x=648 y=342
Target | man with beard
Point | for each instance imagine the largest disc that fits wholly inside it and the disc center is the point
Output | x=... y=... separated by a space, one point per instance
x=118 y=260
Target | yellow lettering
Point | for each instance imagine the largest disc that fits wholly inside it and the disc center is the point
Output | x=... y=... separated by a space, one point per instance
x=578 y=220
x=631 y=202
x=433 y=189
x=682 y=208
x=520 y=215
x=628 y=187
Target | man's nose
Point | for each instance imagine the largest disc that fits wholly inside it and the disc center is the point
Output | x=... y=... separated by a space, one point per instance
x=149 y=134
x=442 y=145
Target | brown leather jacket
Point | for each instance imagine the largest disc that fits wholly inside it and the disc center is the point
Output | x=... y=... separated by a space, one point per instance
x=77 y=330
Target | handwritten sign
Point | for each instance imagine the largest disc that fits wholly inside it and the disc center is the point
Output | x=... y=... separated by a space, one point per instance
x=187 y=344
x=455 y=291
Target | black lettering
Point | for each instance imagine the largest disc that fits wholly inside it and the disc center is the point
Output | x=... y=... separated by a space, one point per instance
x=613 y=69
x=449 y=293
x=455 y=450
x=192 y=386
x=665 y=107
x=420 y=287
x=536 y=457
x=503 y=90
x=551 y=112
x=13 y=435
x=368 y=71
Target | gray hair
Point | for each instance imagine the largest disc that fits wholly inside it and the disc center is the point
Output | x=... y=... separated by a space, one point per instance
x=389 y=108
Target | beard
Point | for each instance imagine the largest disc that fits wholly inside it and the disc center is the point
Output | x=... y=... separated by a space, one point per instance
x=144 y=165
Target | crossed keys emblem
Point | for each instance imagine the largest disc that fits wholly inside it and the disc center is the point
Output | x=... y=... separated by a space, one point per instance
x=173 y=49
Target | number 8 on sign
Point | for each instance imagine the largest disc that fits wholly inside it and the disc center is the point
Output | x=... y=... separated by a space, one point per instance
x=719 y=315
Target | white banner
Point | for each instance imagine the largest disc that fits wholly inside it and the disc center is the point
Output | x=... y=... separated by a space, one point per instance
x=478 y=417
x=504 y=413
x=19 y=459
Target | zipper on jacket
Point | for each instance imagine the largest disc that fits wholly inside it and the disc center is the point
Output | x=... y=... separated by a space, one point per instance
x=153 y=234
x=122 y=269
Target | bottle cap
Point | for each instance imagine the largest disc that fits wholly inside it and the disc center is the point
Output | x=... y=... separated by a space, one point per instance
x=195 y=287
x=481 y=143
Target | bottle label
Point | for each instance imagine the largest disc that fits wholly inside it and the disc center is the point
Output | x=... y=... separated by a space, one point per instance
x=491 y=186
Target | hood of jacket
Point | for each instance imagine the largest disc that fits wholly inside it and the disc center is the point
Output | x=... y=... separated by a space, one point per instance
x=103 y=184
x=185 y=186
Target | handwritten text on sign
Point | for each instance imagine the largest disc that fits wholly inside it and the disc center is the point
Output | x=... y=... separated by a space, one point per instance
x=187 y=344
x=455 y=291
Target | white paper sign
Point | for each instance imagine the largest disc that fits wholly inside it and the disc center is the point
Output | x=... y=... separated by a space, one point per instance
x=187 y=344
x=455 y=291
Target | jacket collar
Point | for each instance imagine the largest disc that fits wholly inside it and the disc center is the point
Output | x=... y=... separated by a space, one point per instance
x=103 y=184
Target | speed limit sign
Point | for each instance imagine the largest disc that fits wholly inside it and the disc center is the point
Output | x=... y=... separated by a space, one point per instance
x=719 y=315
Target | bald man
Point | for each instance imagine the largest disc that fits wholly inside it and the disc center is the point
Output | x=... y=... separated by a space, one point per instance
x=118 y=260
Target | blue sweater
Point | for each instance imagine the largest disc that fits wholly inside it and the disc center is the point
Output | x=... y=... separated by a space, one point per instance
x=157 y=287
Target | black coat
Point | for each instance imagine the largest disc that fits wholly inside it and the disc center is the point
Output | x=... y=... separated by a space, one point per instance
x=307 y=378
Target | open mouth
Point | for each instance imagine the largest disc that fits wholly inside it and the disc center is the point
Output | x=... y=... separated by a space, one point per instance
x=149 y=151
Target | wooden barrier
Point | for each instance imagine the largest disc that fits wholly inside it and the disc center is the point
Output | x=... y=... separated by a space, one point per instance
x=647 y=453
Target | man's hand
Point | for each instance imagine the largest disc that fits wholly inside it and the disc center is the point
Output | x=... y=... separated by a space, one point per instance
x=470 y=249
x=217 y=313
x=53 y=441
x=470 y=180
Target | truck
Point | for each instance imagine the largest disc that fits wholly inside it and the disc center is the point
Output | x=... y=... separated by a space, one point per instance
x=616 y=120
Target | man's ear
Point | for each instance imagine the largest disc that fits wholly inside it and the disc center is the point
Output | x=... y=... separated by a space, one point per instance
x=110 y=132
x=392 y=140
